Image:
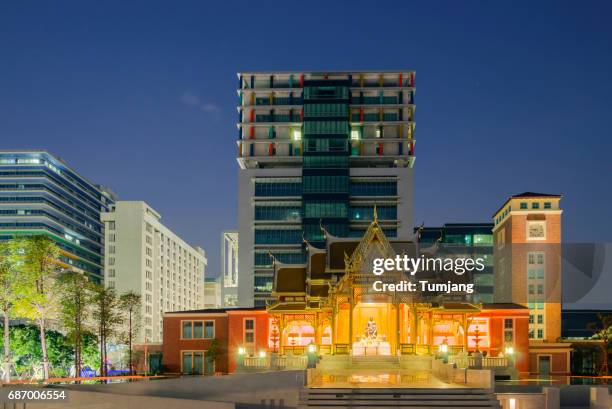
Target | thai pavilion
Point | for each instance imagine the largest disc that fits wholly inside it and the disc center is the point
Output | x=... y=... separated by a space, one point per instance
x=330 y=302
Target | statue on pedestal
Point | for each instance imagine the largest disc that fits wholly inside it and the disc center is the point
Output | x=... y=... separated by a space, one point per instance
x=371 y=331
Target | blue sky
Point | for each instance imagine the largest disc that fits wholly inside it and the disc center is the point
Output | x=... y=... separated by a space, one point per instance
x=140 y=96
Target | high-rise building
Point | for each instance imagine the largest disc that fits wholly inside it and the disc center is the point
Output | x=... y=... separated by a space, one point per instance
x=212 y=292
x=41 y=194
x=145 y=257
x=317 y=151
x=527 y=269
x=474 y=240
x=229 y=268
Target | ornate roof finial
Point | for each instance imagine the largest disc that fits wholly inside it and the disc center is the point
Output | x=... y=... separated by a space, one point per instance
x=274 y=259
x=322 y=228
x=375 y=214
x=347 y=260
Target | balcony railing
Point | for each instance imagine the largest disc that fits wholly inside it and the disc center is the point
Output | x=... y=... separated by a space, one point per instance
x=277 y=118
x=470 y=361
x=279 y=101
x=256 y=363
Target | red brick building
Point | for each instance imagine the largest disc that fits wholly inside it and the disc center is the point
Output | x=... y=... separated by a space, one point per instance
x=189 y=335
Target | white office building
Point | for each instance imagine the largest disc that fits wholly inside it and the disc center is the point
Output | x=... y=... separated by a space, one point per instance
x=229 y=269
x=144 y=256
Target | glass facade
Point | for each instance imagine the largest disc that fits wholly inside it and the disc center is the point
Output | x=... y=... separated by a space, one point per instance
x=300 y=135
x=326 y=135
x=467 y=240
x=40 y=194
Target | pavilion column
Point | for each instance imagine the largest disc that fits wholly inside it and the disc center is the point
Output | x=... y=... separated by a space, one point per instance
x=281 y=330
x=430 y=329
x=333 y=327
x=465 y=332
x=397 y=327
x=351 y=305
x=317 y=326
x=414 y=326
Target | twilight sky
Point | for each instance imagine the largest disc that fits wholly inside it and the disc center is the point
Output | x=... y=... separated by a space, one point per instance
x=140 y=96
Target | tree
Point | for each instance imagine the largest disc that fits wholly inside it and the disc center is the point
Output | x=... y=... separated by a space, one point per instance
x=38 y=268
x=8 y=297
x=107 y=316
x=603 y=331
x=74 y=311
x=26 y=349
x=130 y=304
x=213 y=352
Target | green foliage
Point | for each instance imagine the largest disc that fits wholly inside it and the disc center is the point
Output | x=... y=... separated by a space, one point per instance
x=8 y=276
x=26 y=349
x=91 y=351
x=130 y=304
x=213 y=350
x=107 y=316
x=74 y=303
x=37 y=270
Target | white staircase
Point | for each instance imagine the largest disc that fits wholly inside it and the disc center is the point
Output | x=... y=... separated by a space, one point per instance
x=383 y=398
x=375 y=362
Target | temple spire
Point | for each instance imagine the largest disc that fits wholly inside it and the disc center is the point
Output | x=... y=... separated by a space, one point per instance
x=375 y=214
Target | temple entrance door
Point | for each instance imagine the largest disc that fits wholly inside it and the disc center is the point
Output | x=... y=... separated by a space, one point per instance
x=374 y=329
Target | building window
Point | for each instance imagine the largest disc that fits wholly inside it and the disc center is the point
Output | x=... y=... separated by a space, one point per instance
x=501 y=238
x=209 y=329
x=111 y=237
x=535 y=205
x=111 y=261
x=523 y=205
x=540 y=319
x=198 y=329
x=508 y=324
x=249 y=331
x=111 y=249
x=531 y=318
x=540 y=333
x=111 y=272
x=192 y=363
x=536 y=230
x=547 y=205
x=111 y=225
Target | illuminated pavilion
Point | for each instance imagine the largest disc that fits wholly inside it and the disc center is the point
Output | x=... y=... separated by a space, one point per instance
x=330 y=302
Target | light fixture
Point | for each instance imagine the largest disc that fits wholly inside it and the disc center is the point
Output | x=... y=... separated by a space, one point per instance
x=262 y=354
x=443 y=347
x=297 y=135
x=509 y=351
x=241 y=351
x=355 y=134
x=312 y=348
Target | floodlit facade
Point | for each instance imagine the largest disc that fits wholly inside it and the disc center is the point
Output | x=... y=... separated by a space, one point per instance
x=319 y=149
x=42 y=194
x=144 y=256
x=527 y=269
x=327 y=305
